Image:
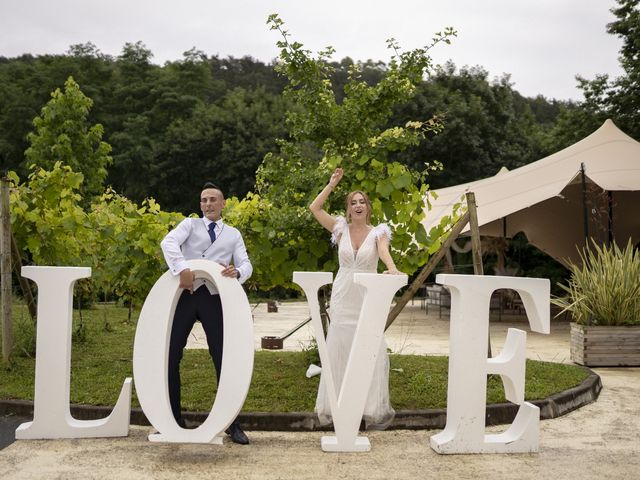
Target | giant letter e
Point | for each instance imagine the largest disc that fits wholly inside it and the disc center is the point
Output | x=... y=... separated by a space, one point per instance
x=469 y=366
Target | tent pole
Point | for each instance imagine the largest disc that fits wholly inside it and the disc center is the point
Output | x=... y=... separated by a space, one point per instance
x=610 y=225
x=476 y=249
x=584 y=205
x=6 y=319
x=428 y=268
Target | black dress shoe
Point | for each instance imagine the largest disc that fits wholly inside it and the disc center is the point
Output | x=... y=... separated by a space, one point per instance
x=237 y=435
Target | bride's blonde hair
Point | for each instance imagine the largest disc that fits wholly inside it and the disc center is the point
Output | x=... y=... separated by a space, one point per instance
x=366 y=201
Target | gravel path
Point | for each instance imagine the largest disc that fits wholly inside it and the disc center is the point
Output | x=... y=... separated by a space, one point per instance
x=601 y=440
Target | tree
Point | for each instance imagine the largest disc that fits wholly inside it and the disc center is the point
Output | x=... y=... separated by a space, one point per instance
x=488 y=125
x=145 y=107
x=93 y=70
x=47 y=219
x=54 y=224
x=125 y=252
x=117 y=238
x=325 y=133
x=27 y=83
x=223 y=142
x=62 y=135
x=246 y=72
x=192 y=76
x=618 y=99
x=623 y=97
x=23 y=95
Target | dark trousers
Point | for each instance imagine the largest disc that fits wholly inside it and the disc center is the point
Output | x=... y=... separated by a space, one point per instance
x=199 y=305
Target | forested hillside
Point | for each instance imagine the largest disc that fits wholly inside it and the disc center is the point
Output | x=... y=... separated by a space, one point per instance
x=173 y=126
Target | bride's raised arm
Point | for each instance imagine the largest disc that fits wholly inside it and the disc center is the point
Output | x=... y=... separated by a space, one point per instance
x=326 y=220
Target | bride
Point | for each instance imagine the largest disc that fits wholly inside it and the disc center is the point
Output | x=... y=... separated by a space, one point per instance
x=360 y=245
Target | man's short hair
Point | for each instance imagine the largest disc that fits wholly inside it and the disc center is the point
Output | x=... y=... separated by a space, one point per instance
x=212 y=185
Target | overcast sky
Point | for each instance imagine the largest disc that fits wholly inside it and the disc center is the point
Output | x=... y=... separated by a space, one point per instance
x=543 y=44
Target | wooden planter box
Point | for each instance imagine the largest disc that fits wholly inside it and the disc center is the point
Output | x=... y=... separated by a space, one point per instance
x=604 y=346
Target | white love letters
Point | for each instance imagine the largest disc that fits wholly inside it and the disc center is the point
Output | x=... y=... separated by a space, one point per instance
x=347 y=405
x=51 y=416
x=151 y=356
x=468 y=362
x=469 y=366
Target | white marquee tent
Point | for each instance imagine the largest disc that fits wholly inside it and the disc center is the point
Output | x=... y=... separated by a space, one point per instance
x=545 y=199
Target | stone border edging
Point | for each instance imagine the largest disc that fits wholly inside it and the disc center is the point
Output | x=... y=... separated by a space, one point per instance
x=497 y=414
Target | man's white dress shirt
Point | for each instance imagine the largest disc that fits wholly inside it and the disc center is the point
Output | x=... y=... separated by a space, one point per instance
x=190 y=240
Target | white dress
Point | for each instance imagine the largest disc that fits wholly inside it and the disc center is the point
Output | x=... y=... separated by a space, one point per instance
x=346 y=301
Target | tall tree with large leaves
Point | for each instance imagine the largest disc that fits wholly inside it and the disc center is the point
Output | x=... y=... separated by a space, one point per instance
x=324 y=133
x=62 y=134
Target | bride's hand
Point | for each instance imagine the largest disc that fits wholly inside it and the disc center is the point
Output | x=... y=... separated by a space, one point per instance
x=336 y=177
x=393 y=271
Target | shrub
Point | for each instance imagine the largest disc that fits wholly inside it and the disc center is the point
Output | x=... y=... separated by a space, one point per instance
x=605 y=288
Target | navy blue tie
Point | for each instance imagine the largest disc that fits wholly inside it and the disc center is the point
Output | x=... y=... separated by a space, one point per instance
x=212 y=231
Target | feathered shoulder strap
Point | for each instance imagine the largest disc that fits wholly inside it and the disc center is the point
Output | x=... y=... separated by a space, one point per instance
x=338 y=229
x=382 y=230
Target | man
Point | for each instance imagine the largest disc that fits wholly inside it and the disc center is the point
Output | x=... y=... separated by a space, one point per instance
x=202 y=238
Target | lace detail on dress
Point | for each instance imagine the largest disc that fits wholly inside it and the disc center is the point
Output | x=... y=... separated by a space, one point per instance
x=382 y=230
x=338 y=229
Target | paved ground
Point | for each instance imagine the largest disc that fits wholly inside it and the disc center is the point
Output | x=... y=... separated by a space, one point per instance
x=8 y=425
x=601 y=440
x=413 y=332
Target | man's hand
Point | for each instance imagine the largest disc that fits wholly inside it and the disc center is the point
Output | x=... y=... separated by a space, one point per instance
x=186 y=279
x=230 y=271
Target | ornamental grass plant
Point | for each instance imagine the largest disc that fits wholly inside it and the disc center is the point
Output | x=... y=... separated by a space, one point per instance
x=605 y=288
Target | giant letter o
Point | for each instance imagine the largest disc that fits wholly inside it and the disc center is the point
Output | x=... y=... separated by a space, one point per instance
x=151 y=356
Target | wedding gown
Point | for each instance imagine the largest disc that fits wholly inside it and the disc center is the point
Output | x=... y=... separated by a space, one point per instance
x=346 y=300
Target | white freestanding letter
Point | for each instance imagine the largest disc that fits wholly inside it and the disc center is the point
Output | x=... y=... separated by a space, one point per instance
x=347 y=405
x=151 y=356
x=469 y=366
x=51 y=415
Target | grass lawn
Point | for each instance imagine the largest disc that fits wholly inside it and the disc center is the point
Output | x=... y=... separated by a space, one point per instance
x=100 y=363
